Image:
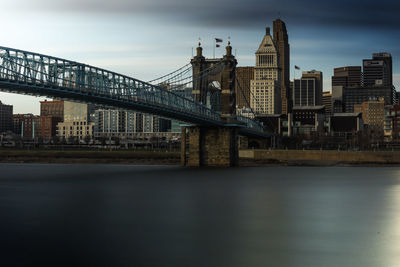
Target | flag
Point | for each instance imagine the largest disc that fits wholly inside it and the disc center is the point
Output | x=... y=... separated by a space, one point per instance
x=217 y=45
x=218 y=40
x=296 y=67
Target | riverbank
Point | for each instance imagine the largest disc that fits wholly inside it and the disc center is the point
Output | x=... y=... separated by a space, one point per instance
x=247 y=157
x=89 y=156
x=319 y=158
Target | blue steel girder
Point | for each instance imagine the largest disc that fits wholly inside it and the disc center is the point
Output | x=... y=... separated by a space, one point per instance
x=41 y=75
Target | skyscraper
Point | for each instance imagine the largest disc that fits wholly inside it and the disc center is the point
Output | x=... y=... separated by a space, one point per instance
x=281 y=42
x=349 y=76
x=307 y=91
x=265 y=89
x=6 y=117
x=387 y=59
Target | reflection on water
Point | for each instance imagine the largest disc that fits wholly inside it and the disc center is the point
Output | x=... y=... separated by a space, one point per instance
x=171 y=216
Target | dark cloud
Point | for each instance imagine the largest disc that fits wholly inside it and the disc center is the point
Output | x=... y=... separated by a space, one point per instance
x=339 y=13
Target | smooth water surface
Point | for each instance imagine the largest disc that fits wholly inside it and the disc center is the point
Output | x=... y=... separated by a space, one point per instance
x=114 y=215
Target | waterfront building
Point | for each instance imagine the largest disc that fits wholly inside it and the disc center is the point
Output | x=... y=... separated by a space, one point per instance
x=78 y=121
x=345 y=124
x=265 y=89
x=281 y=41
x=392 y=123
x=307 y=119
x=26 y=125
x=6 y=117
x=327 y=102
x=51 y=113
x=358 y=95
x=53 y=108
x=48 y=126
x=372 y=112
x=128 y=124
x=242 y=86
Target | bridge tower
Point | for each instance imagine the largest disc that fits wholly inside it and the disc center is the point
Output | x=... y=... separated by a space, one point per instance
x=213 y=85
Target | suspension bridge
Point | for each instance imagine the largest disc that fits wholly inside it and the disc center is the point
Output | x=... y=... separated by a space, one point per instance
x=200 y=94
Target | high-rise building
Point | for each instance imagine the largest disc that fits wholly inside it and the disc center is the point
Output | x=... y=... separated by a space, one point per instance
x=387 y=59
x=114 y=123
x=378 y=70
x=307 y=91
x=242 y=86
x=53 y=108
x=265 y=89
x=319 y=84
x=51 y=113
x=327 y=102
x=349 y=76
x=374 y=73
x=281 y=41
x=27 y=126
x=358 y=95
x=372 y=112
x=6 y=117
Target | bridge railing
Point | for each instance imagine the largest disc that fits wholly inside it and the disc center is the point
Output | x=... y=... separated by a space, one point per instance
x=41 y=70
x=250 y=123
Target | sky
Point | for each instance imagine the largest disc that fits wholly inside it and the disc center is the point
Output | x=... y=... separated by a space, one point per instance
x=148 y=38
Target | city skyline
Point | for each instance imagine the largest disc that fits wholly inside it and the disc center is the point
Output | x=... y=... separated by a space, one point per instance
x=138 y=39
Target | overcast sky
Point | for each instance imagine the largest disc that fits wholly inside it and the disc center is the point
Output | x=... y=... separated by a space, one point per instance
x=147 y=38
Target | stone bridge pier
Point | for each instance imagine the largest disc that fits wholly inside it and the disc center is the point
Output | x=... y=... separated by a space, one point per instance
x=213 y=146
x=209 y=146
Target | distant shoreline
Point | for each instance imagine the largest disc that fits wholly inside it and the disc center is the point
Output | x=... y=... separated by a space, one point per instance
x=248 y=158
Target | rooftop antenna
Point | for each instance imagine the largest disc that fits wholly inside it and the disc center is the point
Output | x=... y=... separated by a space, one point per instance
x=279 y=14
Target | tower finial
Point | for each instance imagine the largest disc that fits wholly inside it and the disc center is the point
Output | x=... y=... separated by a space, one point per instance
x=229 y=40
x=199 y=41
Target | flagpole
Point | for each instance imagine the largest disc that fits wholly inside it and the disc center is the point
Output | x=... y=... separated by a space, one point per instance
x=215 y=44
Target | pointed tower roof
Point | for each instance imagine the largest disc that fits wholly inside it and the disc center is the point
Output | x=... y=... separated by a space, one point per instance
x=267 y=45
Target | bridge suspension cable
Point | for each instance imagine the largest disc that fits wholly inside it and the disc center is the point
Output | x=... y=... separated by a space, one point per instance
x=163 y=78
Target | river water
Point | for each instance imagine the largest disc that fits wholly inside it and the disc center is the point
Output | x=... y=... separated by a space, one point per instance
x=115 y=215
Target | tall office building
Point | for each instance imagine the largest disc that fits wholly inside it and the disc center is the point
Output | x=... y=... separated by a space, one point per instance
x=358 y=95
x=307 y=91
x=265 y=89
x=327 y=102
x=6 y=117
x=387 y=59
x=27 y=126
x=319 y=84
x=378 y=70
x=53 y=108
x=349 y=76
x=281 y=42
x=114 y=123
x=242 y=87
x=51 y=113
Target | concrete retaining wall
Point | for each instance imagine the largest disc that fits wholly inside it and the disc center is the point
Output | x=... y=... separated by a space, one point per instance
x=386 y=157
